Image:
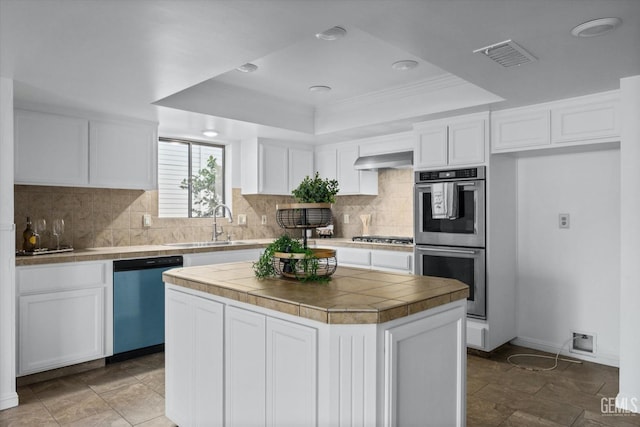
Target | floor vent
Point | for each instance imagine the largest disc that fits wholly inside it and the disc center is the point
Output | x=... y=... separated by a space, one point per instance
x=507 y=53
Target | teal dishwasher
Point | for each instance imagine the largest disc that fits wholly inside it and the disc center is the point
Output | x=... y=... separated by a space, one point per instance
x=138 y=306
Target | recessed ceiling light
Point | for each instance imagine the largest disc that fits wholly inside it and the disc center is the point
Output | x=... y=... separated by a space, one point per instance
x=247 y=68
x=596 y=27
x=332 y=34
x=404 y=65
x=319 y=89
x=210 y=133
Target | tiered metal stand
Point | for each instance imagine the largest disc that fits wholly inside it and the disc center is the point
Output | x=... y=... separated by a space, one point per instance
x=305 y=216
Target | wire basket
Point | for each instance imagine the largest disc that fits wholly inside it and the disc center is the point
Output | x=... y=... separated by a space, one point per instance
x=304 y=215
x=298 y=266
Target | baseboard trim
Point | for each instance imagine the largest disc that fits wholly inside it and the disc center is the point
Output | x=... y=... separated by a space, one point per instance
x=9 y=400
x=600 y=358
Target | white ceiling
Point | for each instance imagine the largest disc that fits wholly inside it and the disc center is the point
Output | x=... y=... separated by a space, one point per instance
x=130 y=57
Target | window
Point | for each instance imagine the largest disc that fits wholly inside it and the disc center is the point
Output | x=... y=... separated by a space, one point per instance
x=185 y=194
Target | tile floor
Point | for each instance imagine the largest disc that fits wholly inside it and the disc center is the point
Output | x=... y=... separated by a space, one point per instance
x=498 y=394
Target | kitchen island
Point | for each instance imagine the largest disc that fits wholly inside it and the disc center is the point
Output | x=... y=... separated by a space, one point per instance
x=366 y=349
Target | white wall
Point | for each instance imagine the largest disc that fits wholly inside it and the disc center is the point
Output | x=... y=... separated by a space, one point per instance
x=8 y=396
x=569 y=279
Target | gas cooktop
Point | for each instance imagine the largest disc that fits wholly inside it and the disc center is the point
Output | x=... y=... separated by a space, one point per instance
x=384 y=239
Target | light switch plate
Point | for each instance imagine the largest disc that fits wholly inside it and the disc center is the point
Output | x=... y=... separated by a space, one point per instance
x=146 y=220
x=264 y=220
x=242 y=219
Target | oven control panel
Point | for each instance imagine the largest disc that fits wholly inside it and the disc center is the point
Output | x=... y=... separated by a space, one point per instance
x=469 y=173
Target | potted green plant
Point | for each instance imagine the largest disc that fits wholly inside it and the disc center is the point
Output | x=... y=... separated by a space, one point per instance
x=289 y=257
x=316 y=190
x=312 y=209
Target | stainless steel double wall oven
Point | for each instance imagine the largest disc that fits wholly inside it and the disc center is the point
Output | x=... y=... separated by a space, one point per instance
x=449 y=230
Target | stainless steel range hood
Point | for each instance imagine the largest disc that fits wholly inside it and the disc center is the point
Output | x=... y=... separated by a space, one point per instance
x=400 y=160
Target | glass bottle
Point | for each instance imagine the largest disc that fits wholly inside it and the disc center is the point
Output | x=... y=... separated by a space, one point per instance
x=29 y=237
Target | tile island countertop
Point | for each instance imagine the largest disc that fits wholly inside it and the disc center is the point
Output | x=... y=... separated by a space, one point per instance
x=352 y=296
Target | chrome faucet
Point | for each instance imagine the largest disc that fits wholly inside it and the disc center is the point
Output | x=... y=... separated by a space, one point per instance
x=217 y=232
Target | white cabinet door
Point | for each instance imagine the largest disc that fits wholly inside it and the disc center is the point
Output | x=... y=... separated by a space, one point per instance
x=60 y=329
x=51 y=149
x=219 y=257
x=432 y=147
x=392 y=261
x=514 y=130
x=245 y=354
x=413 y=364
x=348 y=177
x=194 y=360
x=179 y=367
x=300 y=166
x=586 y=121
x=326 y=163
x=123 y=154
x=351 y=180
x=208 y=363
x=451 y=142
x=273 y=164
x=466 y=142
x=291 y=362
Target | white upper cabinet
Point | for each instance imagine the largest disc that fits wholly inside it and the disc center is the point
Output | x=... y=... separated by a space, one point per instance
x=336 y=162
x=451 y=142
x=300 y=166
x=326 y=163
x=77 y=150
x=595 y=119
x=571 y=122
x=520 y=129
x=122 y=154
x=51 y=149
x=274 y=167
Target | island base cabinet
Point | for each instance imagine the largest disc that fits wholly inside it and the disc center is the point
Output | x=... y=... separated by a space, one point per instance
x=194 y=360
x=268 y=368
x=278 y=359
x=413 y=367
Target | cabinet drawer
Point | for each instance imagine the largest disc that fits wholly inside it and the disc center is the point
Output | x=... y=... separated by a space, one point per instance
x=402 y=261
x=46 y=278
x=358 y=257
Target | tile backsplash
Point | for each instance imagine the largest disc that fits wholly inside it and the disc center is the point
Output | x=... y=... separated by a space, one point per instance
x=112 y=217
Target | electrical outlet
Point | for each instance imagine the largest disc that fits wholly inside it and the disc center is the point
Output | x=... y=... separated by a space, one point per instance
x=146 y=220
x=346 y=219
x=583 y=343
x=264 y=220
x=563 y=220
x=242 y=219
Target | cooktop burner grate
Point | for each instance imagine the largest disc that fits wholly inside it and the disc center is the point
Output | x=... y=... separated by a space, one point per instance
x=384 y=239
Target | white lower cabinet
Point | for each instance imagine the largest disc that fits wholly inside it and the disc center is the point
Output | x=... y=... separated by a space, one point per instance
x=278 y=360
x=375 y=259
x=234 y=364
x=245 y=352
x=194 y=350
x=219 y=257
x=60 y=328
x=291 y=374
x=64 y=315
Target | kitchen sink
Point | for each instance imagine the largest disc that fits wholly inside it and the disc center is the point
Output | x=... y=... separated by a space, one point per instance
x=204 y=244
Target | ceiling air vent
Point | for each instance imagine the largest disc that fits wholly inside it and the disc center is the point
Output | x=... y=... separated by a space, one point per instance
x=507 y=53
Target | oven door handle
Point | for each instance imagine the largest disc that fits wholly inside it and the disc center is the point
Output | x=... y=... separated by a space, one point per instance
x=450 y=251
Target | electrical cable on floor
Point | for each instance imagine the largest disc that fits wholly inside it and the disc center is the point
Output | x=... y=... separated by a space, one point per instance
x=540 y=356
